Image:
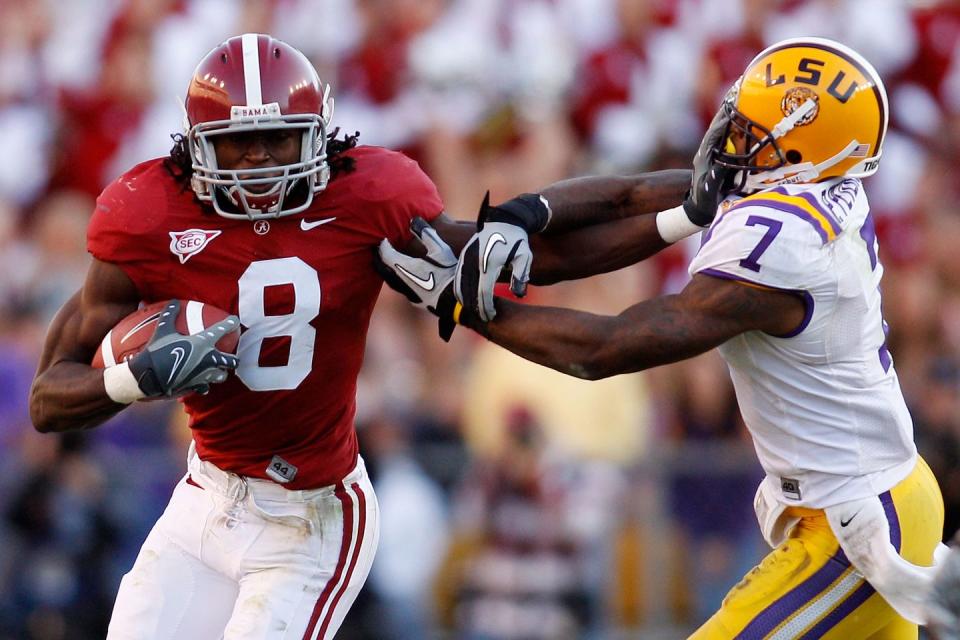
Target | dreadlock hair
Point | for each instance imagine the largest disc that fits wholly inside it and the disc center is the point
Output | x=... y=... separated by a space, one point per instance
x=180 y=166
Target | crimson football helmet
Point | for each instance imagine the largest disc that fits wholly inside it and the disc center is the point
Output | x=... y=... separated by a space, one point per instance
x=255 y=82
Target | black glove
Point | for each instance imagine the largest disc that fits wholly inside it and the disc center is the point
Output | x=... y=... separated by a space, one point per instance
x=173 y=364
x=501 y=239
x=706 y=187
x=427 y=282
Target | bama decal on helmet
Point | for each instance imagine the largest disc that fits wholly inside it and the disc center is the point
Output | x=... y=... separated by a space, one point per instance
x=271 y=110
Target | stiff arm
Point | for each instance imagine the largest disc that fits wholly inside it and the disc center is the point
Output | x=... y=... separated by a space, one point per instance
x=599 y=224
x=708 y=312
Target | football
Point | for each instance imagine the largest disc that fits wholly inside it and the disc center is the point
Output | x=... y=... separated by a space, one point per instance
x=129 y=336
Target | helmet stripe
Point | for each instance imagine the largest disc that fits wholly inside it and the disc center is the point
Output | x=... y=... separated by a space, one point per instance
x=251 y=69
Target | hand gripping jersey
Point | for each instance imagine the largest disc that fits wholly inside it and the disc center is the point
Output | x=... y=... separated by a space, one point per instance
x=823 y=403
x=303 y=287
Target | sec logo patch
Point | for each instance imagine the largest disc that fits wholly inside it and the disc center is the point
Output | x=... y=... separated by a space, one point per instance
x=186 y=244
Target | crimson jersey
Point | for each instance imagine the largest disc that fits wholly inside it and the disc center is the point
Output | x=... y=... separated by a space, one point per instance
x=303 y=287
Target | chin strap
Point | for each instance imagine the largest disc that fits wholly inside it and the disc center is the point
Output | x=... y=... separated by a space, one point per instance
x=791 y=174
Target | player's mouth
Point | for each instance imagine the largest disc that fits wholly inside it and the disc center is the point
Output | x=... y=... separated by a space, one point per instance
x=270 y=181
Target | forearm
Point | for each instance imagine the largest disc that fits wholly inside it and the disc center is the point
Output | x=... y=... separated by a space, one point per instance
x=591 y=346
x=69 y=396
x=593 y=250
x=582 y=202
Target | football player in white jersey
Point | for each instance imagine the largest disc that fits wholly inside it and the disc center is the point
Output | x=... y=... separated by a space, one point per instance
x=786 y=285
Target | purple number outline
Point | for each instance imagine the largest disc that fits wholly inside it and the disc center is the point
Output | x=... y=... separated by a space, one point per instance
x=773 y=228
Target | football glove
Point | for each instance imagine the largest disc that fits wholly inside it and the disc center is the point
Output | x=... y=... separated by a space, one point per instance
x=173 y=364
x=427 y=282
x=943 y=606
x=706 y=188
x=501 y=239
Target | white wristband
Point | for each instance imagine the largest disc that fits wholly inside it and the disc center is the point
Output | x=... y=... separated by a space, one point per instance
x=120 y=384
x=673 y=224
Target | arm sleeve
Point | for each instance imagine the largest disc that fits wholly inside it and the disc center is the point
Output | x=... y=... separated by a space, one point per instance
x=117 y=232
x=401 y=192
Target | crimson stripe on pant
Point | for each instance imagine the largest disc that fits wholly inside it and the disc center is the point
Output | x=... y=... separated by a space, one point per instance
x=347 y=505
x=361 y=525
x=348 y=539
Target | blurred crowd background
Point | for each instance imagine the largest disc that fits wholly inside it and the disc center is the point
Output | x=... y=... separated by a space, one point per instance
x=517 y=503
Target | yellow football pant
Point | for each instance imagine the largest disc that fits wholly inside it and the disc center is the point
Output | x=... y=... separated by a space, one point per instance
x=807 y=589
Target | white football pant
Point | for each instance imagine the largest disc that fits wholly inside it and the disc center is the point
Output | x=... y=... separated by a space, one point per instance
x=242 y=558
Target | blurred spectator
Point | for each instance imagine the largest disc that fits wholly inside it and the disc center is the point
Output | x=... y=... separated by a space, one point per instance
x=711 y=504
x=65 y=539
x=937 y=419
x=526 y=576
x=413 y=533
x=505 y=95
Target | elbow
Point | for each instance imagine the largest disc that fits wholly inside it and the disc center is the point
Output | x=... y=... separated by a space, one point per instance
x=44 y=421
x=600 y=358
x=590 y=368
x=41 y=419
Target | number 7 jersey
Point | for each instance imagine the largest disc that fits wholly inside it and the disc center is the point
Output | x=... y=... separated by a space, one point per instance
x=823 y=403
x=304 y=288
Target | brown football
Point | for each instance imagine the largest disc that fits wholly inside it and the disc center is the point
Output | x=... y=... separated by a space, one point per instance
x=129 y=336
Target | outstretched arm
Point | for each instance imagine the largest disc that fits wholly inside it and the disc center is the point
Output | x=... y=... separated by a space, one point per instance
x=707 y=313
x=684 y=202
x=583 y=202
x=580 y=253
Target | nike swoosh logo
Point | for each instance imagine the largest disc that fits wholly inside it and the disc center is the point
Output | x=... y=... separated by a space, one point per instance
x=306 y=226
x=492 y=242
x=179 y=355
x=425 y=284
x=844 y=523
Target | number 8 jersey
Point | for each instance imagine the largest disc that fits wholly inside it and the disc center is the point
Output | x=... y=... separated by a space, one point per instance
x=304 y=288
x=823 y=403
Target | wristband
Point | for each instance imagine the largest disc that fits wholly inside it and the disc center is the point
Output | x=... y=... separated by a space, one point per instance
x=530 y=211
x=673 y=225
x=457 y=310
x=120 y=384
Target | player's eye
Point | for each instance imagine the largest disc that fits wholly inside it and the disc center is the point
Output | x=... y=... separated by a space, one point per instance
x=279 y=137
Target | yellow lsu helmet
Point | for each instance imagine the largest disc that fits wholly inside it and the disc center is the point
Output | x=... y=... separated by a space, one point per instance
x=804 y=110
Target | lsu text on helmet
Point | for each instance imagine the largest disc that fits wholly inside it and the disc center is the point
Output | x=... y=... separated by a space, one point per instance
x=805 y=109
x=249 y=83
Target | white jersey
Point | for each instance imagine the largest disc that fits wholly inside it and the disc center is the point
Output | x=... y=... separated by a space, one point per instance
x=823 y=404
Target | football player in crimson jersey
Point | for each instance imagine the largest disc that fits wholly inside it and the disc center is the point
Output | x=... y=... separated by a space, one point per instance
x=260 y=211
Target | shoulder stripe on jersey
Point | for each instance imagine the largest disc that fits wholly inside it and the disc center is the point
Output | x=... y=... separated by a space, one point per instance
x=251 y=69
x=812 y=201
x=795 y=205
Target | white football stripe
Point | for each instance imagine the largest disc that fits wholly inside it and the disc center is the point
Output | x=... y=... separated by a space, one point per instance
x=106 y=350
x=194 y=317
x=819 y=607
x=251 y=69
